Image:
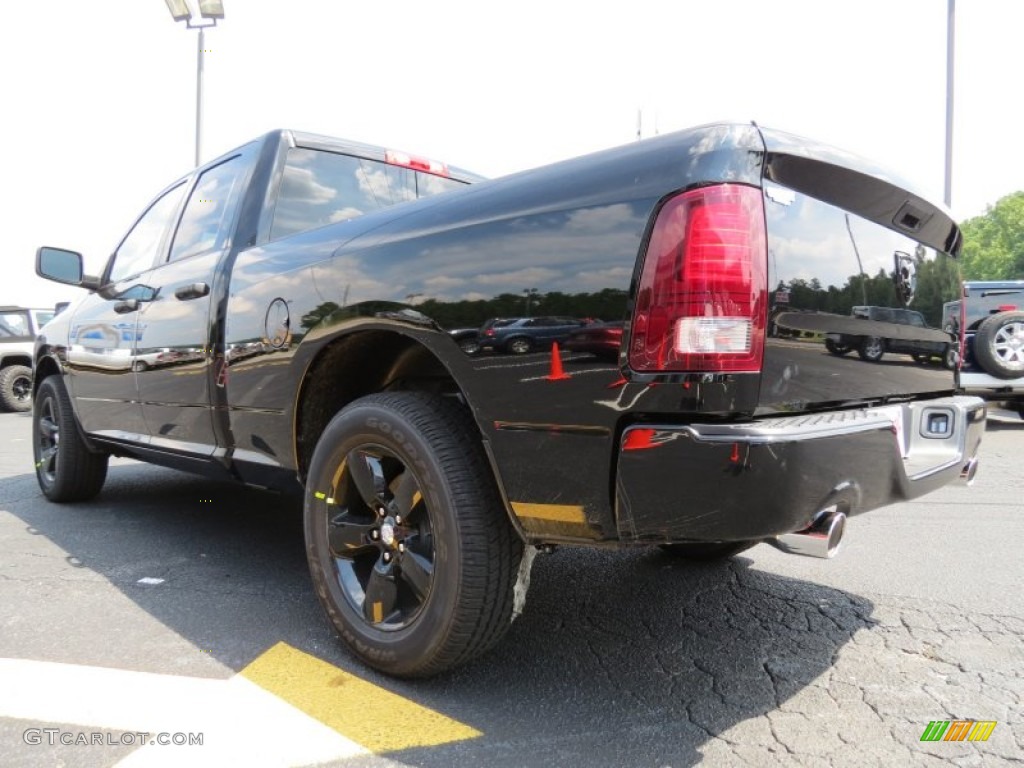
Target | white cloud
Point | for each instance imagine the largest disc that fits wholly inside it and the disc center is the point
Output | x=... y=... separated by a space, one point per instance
x=345 y=214
x=529 y=277
x=443 y=283
x=300 y=186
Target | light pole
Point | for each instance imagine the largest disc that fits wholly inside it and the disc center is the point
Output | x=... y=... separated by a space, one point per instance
x=530 y=293
x=950 y=72
x=210 y=10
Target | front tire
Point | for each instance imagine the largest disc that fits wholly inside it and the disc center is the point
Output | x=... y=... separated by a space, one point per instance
x=411 y=552
x=65 y=467
x=16 y=388
x=871 y=349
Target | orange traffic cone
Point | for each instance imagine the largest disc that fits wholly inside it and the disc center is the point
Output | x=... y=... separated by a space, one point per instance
x=557 y=374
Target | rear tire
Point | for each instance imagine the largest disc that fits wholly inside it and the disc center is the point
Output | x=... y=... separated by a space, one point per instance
x=411 y=552
x=16 y=388
x=706 y=551
x=836 y=348
x=65 y=467
x=999 y=345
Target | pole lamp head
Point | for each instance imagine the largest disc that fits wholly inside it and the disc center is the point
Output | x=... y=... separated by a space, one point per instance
x=179 y=10
x=211 y=9
x=208 y=9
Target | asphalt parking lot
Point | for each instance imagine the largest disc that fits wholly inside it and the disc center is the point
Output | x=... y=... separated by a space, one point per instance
x=173 y=605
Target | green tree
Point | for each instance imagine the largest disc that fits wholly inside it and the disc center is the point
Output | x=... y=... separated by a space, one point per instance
x=994 y=242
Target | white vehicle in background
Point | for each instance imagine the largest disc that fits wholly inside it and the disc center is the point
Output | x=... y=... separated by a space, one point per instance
x=18 y=329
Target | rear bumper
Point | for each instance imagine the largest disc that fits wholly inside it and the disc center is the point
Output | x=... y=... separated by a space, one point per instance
x=990 y=387
x=729 y=482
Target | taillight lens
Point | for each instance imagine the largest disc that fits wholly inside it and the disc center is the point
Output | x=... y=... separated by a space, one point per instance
x=702 y=298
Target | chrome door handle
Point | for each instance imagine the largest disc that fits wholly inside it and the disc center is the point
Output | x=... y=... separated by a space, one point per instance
x=192 y=291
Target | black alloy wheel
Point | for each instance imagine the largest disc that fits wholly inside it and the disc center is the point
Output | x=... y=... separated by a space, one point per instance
x=380 y=537
x=410 y=548
x=66 y=469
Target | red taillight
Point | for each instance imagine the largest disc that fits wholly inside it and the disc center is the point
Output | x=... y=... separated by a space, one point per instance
x=1007 y=307
x=489 y=332
x=703 y=291
x=393 y=157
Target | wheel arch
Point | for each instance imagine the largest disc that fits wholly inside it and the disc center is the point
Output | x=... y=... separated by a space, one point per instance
x=367 y=360
x=9 y=360
x=45 y=366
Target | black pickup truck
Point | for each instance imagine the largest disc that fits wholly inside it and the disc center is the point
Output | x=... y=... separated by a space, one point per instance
x=279 y=317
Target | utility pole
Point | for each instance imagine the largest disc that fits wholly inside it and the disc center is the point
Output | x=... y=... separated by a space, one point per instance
x=950 y=45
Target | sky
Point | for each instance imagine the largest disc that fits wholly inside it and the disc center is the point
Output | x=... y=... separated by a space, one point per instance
x=98 y=98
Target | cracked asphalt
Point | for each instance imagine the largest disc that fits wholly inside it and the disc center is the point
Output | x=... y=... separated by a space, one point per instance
x=621 y=658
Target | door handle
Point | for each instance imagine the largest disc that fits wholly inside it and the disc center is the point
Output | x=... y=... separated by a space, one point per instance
x=126 y=305
x=192 y=291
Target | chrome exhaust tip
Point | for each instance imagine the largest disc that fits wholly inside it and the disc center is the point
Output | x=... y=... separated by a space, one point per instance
x=822 y=538
x=968 y=471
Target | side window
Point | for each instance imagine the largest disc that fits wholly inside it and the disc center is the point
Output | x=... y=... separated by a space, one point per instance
x=209 y=210
x=14 y=325
x=138 y=249
x=321 y=188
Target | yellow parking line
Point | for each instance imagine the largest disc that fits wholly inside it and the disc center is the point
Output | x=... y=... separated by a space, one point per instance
x=377 y=719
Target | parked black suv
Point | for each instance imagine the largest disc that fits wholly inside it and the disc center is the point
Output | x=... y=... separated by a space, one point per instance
x=896 y=330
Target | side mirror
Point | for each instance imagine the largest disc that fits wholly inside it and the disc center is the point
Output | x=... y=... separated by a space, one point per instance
x=62 y=266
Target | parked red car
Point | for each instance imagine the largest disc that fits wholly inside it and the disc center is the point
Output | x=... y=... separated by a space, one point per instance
x=600 y=339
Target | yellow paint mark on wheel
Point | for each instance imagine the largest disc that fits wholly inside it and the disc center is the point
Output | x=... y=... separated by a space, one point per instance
x=556 y=513
x=367 y=714
x=416 y=499
x=378 y=612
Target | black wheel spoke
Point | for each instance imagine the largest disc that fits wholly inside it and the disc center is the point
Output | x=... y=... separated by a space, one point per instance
x=47 y=428
x=416 y=571
x=48 y=458
x=368 y=475
x=381 y=593
x=349 y=537
x=406 y=495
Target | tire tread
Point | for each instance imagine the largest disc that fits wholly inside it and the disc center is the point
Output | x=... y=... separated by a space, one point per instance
x=81 y=473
